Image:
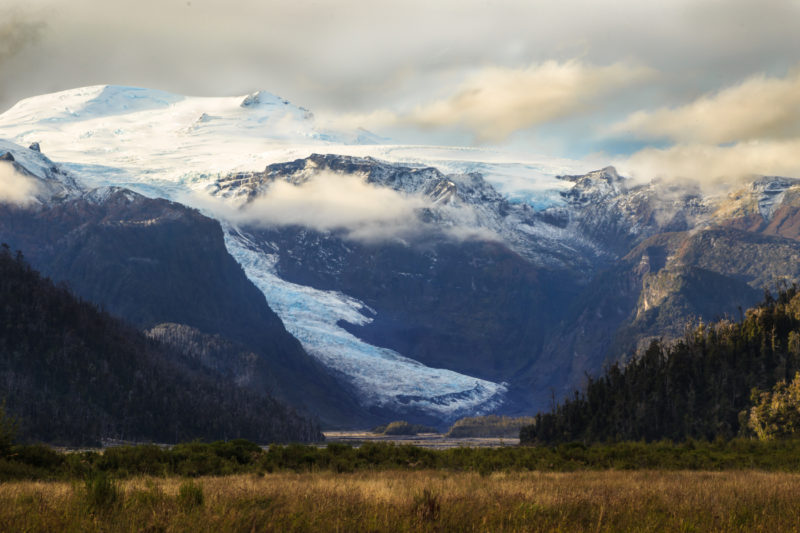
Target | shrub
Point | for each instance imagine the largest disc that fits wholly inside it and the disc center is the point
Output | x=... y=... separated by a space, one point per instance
x=8 y=430
x=776 y=414
x=190 y=495
x=101 y=492
x=38 y=456
x=427 y=506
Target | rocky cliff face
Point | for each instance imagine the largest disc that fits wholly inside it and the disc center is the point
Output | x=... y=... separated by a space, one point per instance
x=726 y=251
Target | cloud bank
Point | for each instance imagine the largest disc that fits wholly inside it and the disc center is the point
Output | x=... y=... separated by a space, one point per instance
x=760 y=107
x=497 y=102
x=16 y=188
x=715 y=165
x=748 y=129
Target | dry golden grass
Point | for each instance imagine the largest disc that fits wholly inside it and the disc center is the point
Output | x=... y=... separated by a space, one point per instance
x=421 y=501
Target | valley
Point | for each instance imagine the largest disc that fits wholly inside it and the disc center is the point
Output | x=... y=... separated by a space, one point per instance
x=369 y=254
x=423 y=266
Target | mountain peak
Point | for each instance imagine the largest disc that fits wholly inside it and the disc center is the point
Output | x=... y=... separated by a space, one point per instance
x=260 y=98
x=51 y=179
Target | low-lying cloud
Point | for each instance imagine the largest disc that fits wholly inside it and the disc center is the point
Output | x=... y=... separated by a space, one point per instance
x=331 y=201
x=346 y=203
x=328 y=202
x=758 y=108
x=16 y=188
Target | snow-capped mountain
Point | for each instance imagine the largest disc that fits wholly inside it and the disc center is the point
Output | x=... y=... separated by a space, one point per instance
x=432 y=282
x=144 y=138
x=168 y=146
x=47 y=181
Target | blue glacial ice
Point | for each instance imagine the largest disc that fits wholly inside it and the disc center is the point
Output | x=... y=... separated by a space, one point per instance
x=382 y=377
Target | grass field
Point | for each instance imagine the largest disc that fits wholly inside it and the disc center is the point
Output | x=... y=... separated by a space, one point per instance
x=394 y=500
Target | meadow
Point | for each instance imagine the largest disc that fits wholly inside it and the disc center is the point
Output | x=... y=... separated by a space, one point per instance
x=427 y=500
x=737 y=485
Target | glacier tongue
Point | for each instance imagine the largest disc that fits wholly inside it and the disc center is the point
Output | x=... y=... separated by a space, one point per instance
x=382 y=377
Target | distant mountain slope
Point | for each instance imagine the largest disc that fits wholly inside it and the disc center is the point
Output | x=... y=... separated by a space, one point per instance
x=666 y=283
x=73 y=375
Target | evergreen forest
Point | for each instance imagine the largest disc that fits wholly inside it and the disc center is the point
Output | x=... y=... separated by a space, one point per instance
x=701 y=387
x=72 y=374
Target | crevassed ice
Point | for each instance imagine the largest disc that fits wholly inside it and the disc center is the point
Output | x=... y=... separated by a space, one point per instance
x=383 y=377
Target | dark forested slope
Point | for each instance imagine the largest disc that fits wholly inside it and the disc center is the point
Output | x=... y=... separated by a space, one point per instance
x=698 y=387
x=151 y=261
x=73 y=374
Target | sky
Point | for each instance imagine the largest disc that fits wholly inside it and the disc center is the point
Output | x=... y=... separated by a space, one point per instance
x=692 y=89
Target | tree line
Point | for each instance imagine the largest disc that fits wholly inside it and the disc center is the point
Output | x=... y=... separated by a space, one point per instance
x=700 y=387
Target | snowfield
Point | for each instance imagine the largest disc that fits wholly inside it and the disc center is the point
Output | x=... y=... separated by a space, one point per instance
x=132 y=136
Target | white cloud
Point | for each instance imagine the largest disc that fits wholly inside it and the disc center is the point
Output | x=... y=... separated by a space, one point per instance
x=497 y=101
x=328 y=201
x=759 y=108
x=715 y=165
x=749 y=129
x=346 y=203
x=16 y=188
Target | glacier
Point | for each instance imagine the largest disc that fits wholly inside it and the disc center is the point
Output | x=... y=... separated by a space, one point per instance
x=383 y=377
